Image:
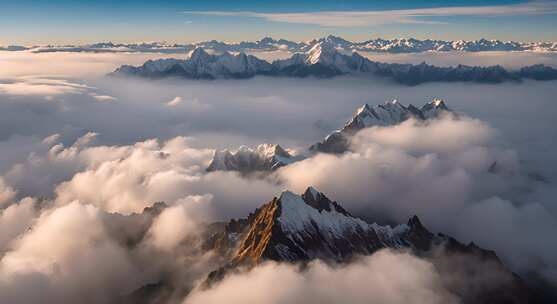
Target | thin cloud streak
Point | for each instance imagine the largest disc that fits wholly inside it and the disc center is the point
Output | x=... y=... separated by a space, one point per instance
x=378 y=17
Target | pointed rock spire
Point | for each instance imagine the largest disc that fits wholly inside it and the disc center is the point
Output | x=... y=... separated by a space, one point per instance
x=312 y=192
x=418 y=235
x=414 y=222
x=322 y=52
x=198 y=54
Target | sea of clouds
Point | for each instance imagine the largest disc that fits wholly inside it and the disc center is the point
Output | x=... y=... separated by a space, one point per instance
x=83 y=155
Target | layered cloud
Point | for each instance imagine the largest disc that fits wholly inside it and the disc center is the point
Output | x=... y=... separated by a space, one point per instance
x=176 y=223
x=448 y=171
x=403 y=16
x=77 y=173
x=36 y=86
x=438 y=164
x=129 y=178
x=98 y=257
x=67 y=65
x=84 y=262
x=452 y=174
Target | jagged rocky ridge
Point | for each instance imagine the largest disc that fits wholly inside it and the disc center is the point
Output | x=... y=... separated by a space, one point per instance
x=201 y=65
x=299 y=228
x=387 y=114
x=267 y=157
x=399 y=45
x=294 y=227
x=324 y=60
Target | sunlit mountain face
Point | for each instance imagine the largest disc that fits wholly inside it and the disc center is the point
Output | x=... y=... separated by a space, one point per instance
x=278 y=152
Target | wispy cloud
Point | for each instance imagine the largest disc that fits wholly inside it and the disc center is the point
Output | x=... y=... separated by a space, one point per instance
x=38 y=86
x=103 y=98
x=175 y=101
x=404 y=16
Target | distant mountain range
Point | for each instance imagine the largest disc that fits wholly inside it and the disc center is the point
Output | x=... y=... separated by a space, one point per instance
x=402 y=45
x=324 y=60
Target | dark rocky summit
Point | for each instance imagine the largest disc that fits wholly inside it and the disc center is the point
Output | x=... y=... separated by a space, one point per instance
x=299 y=228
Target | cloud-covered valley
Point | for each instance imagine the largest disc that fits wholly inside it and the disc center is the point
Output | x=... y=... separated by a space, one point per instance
x=83 y=155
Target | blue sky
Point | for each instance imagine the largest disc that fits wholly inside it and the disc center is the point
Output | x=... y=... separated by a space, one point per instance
x=68 y=22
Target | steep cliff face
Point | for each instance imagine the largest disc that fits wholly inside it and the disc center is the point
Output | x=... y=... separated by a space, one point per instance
x=258 y=242
x=309 y=226
x=298 y=228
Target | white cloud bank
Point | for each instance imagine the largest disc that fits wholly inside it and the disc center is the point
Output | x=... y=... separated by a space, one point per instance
x=438 y=170
x=40 y=86
x=384 y=277
x=88 y=157
x=66 y=257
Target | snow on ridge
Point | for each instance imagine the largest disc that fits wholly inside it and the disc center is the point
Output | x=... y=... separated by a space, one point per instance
x=265 y=157
x=397 y=45
x=297 y=218
x=393 y=112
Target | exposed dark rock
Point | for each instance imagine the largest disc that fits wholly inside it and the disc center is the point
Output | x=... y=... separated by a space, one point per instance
x=267 y=235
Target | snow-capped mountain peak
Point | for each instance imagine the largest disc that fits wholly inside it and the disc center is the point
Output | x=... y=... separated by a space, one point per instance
x=198 y=54
x=323 y=59
x=386 y=114
x=201 y=65
x=393 y=106
x=434 y=108
x=389 y=113
x=272 y=150
x=436 y=103
x=296 y=228
x=363 y=110
x=336 y=40
x=321 y=52
x=269 y=157
x=265 y=157
x=324 y=53
x=399 y=45
x=298 y=218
